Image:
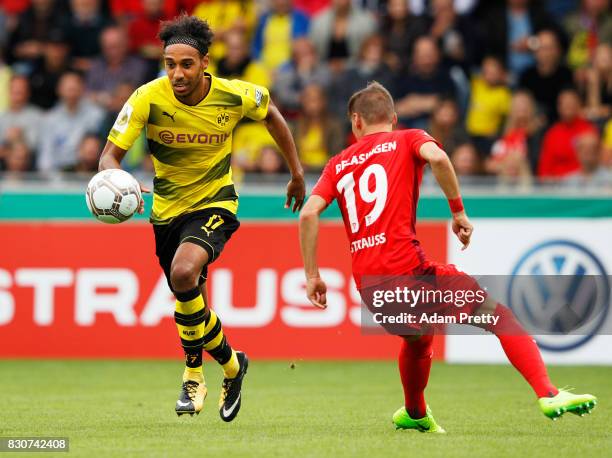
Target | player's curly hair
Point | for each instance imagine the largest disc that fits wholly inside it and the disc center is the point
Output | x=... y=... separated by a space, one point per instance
x=187 y=26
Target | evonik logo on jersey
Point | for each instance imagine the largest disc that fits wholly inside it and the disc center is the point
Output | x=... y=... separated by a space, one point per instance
x=168 y=137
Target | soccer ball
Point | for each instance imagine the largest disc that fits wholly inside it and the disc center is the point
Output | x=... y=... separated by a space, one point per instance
x=113 y=196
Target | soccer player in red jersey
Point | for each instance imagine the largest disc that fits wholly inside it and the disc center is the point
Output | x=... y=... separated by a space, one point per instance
x=376 y=183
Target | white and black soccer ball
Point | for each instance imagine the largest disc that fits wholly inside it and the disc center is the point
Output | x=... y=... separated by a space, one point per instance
x=113 y=196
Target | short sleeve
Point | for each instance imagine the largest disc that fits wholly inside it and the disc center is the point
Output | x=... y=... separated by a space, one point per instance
x=255 y=100
x=415 y=138
x=325 y=186
x=130 y=121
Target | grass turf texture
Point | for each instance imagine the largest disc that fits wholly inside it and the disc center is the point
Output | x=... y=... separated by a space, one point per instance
x=110 y=408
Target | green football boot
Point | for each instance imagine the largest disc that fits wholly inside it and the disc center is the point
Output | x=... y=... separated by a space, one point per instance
x=564 y=401
x=427 y=424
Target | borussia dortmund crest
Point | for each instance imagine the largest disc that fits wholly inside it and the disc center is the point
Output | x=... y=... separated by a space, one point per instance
x=223 y=118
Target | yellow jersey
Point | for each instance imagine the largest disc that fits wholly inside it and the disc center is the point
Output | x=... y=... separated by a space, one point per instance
x=191 y=145
x=488 y=107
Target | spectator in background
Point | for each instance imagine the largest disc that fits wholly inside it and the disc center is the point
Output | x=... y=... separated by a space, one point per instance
x=226 y=16
x=560 y=8
x=454 y=34
x=48 y=70
x=401 y=29
x=461 y=6
x=269 y=161
x=88 y=154
x=125 y=11
x=516 y=152
x=303 y=69
x=466 y=161
x=318 y=135
x=311 y=7
x=66 y=124
x=338 y=32
x=18 y=159
x=591 y=174
x=4 y=28
x=142 y=32
x=34 y=26
x=548 y=76
x=489 y=104
x=248 y=141
x=113 y=67
x=276 y=29
x=5 y=78
x=11 y=135
x=237 y=63
x=607 y=145
x=599 y=85
x=370 y=66
x=508 y=29
x=84 y=27
x=21 y=113
x=587 y=27
x=444 y=125
x=120 y=95
x=558 y=158
x=418 y=92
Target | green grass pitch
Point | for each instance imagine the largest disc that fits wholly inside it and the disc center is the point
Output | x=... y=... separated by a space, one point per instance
x=318 y=409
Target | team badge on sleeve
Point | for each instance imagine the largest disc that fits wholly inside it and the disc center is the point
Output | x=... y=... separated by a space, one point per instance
x=123 y=119
x=258 y=97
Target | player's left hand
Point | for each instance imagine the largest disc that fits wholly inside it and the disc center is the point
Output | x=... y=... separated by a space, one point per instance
x=462 y=228
x=316 y=290
x=296 y=189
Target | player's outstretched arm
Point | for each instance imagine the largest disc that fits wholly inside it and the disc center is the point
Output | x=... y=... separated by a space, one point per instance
x=111 y=158
x=445 y=176
x=276 y=125
x=309 y=233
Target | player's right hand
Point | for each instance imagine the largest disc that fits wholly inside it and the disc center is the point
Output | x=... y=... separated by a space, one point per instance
x=296 y=189
x=143 y=189
x=316 y=290
x=462 y=228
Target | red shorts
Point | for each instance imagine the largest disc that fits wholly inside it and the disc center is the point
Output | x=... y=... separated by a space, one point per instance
x=452 y=279
x=432 y=290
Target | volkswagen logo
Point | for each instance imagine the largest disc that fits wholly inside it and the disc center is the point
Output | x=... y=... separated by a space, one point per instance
x=560 y=291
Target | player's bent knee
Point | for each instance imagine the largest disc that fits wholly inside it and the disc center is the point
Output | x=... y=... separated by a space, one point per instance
x=184 y=276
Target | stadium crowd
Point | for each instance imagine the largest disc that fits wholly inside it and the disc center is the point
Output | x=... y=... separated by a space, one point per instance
x=517 y=90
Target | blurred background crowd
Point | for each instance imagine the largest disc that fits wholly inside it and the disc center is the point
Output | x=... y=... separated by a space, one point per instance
x=517 y=91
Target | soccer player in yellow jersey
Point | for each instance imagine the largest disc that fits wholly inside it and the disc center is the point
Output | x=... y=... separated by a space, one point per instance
x=189 y=117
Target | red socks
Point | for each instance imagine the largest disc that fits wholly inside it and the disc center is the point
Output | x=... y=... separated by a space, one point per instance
x=414 y=365
x=520 y=348
x=523 y=352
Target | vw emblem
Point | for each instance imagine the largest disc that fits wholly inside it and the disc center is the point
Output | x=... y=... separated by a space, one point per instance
x=559 y=291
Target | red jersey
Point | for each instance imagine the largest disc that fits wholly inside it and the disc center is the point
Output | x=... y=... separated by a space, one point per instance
x=376 y=183
x=558 y=157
